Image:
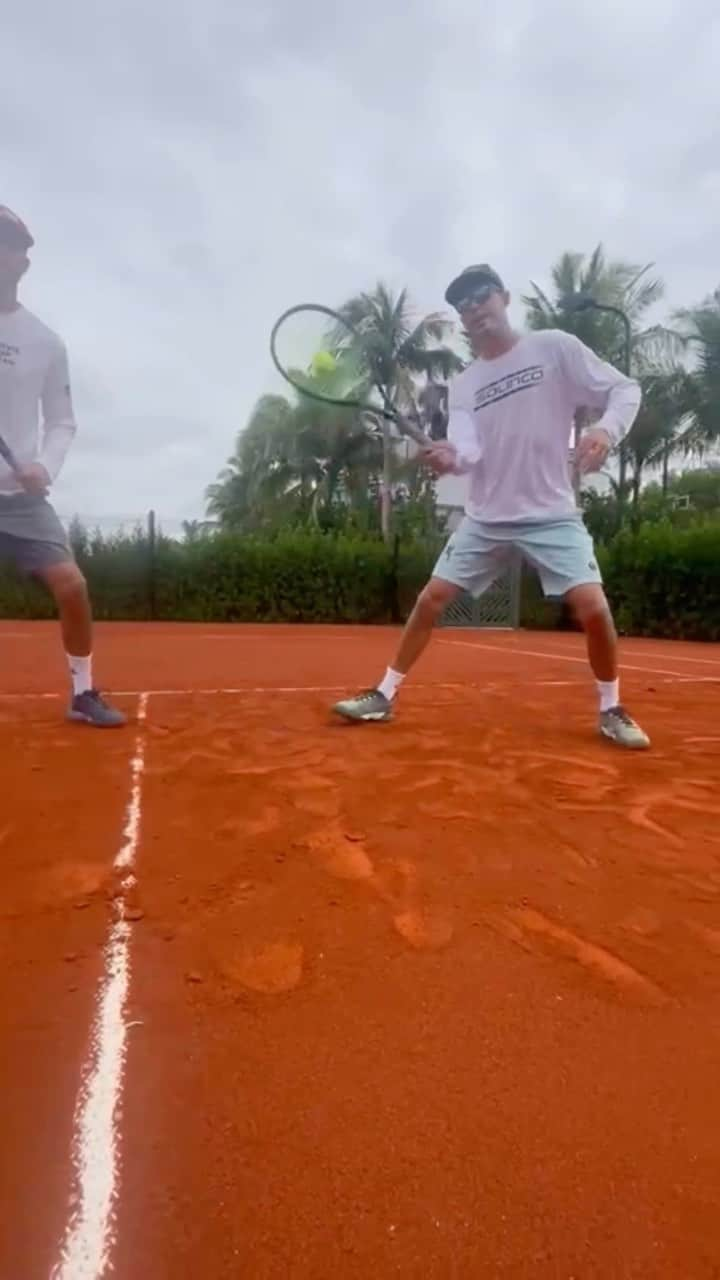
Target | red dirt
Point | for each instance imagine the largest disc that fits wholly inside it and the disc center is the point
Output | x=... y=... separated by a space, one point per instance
x=433 y=999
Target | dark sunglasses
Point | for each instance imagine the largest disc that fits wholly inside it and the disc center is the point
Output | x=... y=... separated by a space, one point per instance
x=11 y=237
x=475 y=297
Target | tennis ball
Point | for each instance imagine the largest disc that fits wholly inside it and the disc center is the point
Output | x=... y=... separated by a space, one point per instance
x=323 y=362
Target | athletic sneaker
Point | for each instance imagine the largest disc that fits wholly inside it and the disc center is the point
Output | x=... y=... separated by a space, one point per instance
x=91 y=708
x=619 y=727
x=369 y=705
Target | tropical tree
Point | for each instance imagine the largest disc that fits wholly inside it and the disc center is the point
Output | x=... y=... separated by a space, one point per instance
x=701 y=326
x=196 y=530
x=291 y=463
x=661 y=424
x=397 y=348
x=613 y=283
x=627 y=286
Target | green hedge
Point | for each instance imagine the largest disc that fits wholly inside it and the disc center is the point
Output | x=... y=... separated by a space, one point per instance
x=294 y=577
x=665 y=581
x=662 y=581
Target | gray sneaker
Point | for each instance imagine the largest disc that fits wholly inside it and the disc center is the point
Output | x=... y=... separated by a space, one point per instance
x=369 y=705
x=91 y=708
x=619 y=727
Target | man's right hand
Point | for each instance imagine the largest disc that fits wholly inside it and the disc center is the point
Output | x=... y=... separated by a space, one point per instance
x=440 y=457
x=34 y=479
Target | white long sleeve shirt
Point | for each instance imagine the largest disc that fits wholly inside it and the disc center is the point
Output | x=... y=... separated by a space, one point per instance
x=511 y=420
x=34 y=377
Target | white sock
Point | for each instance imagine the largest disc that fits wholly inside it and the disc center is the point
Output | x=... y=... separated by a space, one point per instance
x=609 y=691
x=81 y=673
x=390 y=683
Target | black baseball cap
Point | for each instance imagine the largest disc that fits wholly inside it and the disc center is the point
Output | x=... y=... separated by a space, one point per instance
x=480 y=273
x=13 y=230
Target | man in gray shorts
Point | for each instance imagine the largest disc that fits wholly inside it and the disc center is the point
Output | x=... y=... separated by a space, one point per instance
x=510 y=419
x=34 y=374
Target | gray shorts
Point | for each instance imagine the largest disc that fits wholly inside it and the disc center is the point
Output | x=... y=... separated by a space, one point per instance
x=31 y=535
x=561 y=551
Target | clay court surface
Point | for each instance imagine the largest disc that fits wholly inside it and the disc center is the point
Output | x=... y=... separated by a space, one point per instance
x=287 y=999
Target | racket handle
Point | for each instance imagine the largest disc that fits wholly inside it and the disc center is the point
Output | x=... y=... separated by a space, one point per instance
x=409 y=428
x=7 y=453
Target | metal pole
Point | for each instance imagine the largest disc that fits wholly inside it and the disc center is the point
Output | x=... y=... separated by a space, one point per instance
x=584 y=302
x=152 y=565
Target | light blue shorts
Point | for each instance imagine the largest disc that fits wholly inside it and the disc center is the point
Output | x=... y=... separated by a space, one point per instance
x=477 y=554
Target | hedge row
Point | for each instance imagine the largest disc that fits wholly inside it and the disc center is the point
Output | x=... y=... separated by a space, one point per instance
x=665 y=581
x=662 y=581
x=294 y=577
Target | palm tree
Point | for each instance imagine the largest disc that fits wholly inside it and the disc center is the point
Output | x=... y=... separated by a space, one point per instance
x=615 y=283
x=659 y=429
x=290 y=462
x=701 y=326
x=395 y=348
x=620 y=284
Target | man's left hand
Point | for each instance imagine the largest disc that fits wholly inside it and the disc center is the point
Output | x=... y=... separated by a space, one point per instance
x=593 y=449
x=35 y=479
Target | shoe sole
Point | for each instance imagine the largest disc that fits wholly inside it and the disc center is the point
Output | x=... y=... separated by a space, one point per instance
x=627 y=746
x=381 y=718
x=76 y=717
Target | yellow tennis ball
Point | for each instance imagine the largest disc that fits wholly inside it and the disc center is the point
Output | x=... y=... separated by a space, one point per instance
x=323 y=362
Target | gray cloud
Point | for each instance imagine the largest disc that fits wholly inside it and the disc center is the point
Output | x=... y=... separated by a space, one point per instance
x=188 y=171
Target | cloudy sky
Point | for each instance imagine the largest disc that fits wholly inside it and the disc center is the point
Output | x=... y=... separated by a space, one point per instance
x=189 y=169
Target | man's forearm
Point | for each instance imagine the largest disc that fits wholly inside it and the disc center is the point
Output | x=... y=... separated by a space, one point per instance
x=621 y=411
x=56 y=442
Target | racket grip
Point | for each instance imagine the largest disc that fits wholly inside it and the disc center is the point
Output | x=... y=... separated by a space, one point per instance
x=409 y=428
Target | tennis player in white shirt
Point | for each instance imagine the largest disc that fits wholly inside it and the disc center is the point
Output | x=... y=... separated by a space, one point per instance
x=510 y=419
x=38 y=424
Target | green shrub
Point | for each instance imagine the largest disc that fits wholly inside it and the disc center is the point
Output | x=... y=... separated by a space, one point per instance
x=665 y=581
x=662 y=580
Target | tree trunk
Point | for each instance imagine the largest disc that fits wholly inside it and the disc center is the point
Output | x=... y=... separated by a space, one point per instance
x=622 y=483
x=666 y=469
x=386 y=486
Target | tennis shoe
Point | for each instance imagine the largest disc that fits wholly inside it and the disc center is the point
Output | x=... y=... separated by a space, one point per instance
x=91 y=708
x=368 y=705
x=620 y=727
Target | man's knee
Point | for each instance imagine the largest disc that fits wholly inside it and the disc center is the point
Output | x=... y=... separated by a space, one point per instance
x=65 y=581
x=589 y=606
x=435 y=597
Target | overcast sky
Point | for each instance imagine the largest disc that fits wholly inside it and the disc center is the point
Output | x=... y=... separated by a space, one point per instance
x=190 y=168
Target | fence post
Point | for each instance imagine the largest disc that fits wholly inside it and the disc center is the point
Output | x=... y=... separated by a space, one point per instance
x=152 y=565
x=516 y=587
x=395 y=614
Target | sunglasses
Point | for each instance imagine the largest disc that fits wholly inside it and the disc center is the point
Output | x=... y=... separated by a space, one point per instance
x=11 y=238
x=475 y=297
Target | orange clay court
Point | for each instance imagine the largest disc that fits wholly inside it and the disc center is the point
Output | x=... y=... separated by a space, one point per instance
x=289 y=999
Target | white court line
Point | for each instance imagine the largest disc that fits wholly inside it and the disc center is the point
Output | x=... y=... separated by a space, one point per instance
x=90 y=1230
x=673 y=677
x=558 y=657
x=267 y=688
x=574 y=684
x=694 y=680
x=678 y=657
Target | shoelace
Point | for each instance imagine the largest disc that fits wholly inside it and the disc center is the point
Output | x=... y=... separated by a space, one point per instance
x=94 y=695
x=621 y=714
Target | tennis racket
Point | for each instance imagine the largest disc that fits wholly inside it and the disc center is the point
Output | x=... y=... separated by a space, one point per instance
x=327 y=359
x=7 y=454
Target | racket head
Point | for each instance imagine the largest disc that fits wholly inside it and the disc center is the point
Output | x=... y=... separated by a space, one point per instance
x=322 y=356
x=326 y=358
